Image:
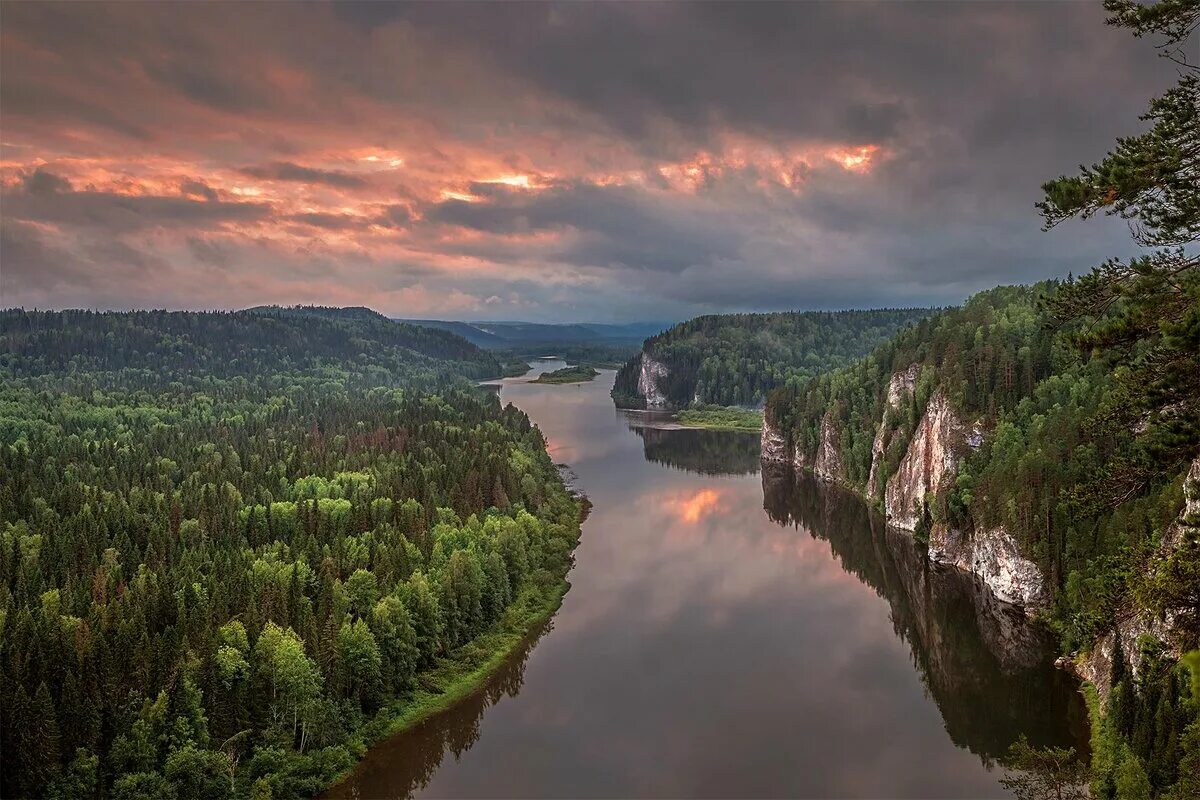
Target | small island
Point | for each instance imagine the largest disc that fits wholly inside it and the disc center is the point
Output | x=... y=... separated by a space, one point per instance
x=729 y=418
x=579 y=374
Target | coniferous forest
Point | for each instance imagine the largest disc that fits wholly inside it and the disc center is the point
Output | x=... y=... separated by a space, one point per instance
x=737 y=359
x=236 y=548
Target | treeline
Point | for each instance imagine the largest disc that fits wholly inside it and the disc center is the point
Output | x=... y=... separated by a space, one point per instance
x=737 y=359
x=223 y=575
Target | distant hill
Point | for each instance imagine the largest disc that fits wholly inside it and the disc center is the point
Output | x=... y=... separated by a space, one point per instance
x=427 y=340
x=515 y=335
x=137 y=348
x=737 y=359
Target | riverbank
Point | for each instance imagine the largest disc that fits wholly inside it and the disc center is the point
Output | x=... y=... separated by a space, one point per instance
x=567 y=375
x=457 y=676
x=722 y=418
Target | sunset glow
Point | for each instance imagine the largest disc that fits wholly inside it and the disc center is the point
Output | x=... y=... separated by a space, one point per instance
x=694 y=507
x=227 y=168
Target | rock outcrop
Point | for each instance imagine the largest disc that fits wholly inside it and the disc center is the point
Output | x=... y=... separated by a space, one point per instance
x=827 y=464
x=1132 y=623
x=934 y=453
x=993 y=555
x=651 y=372
x=899 y=387
x=774 y=448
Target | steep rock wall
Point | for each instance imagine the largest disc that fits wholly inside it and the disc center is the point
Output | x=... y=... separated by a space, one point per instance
x=933 y=456
x=774 y=445
x=650 y=373
x=899 y=387
x=993 y=555
x=828 y=465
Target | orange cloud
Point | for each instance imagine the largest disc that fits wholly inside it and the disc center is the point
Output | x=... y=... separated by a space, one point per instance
x=695 y=506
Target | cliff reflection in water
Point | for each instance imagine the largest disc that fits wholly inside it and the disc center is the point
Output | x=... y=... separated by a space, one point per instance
x=989 y=670
x=705 y=452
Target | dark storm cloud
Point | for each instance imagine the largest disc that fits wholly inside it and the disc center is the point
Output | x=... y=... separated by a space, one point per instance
x=47 y=198
x=679 y=157
x=616 y=225
x=286 y=171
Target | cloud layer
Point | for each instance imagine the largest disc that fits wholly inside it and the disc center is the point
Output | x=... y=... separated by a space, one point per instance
x=550 y=162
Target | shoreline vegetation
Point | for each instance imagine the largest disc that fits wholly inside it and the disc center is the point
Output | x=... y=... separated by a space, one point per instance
x=466 y=670
x=515 y=369
x=722 y=418
x=456 y=677
x=577 y=374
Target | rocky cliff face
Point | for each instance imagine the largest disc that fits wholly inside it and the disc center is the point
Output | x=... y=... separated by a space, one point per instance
x=1133 y=623
x=651 y=372
x=827 y=464
x=993 y=555
x=774 y=445
x=899 y=387
x=937 y=448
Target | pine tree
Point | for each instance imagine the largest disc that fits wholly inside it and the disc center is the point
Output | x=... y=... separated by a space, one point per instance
x=1144 y=314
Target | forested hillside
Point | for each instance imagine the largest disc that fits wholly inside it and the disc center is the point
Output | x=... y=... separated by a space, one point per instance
x=1036 y=415
x=261 y=345
x=737 y=359
x=236 y=548
x=1001 y=366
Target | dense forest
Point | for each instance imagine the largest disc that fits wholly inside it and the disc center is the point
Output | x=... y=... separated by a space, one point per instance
x=1086 y=396
x=268 y=346
x=237 y=548
x=737 y=359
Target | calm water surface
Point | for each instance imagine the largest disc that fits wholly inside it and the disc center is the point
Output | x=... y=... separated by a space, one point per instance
x=737 y=634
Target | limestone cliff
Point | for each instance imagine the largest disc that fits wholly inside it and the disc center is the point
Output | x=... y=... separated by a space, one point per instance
x=937 y=447
x=993 y=555
x=775 y=448
x=899 y=387
x=651 y=372
x=827 y=464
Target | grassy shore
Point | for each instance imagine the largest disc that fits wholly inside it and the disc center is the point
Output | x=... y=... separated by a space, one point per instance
x=515 y=369
x=725 y=418
x=460 y=673
x=567 y=375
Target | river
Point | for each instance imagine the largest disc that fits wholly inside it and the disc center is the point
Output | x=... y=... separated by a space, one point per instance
x=734 y=633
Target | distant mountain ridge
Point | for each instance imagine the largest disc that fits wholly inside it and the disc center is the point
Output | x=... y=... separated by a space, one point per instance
x=506 y=335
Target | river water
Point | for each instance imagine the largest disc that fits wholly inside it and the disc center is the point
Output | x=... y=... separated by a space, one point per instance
x=731 y=632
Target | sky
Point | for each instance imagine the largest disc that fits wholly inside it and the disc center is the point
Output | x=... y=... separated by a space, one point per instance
x=592 y=162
